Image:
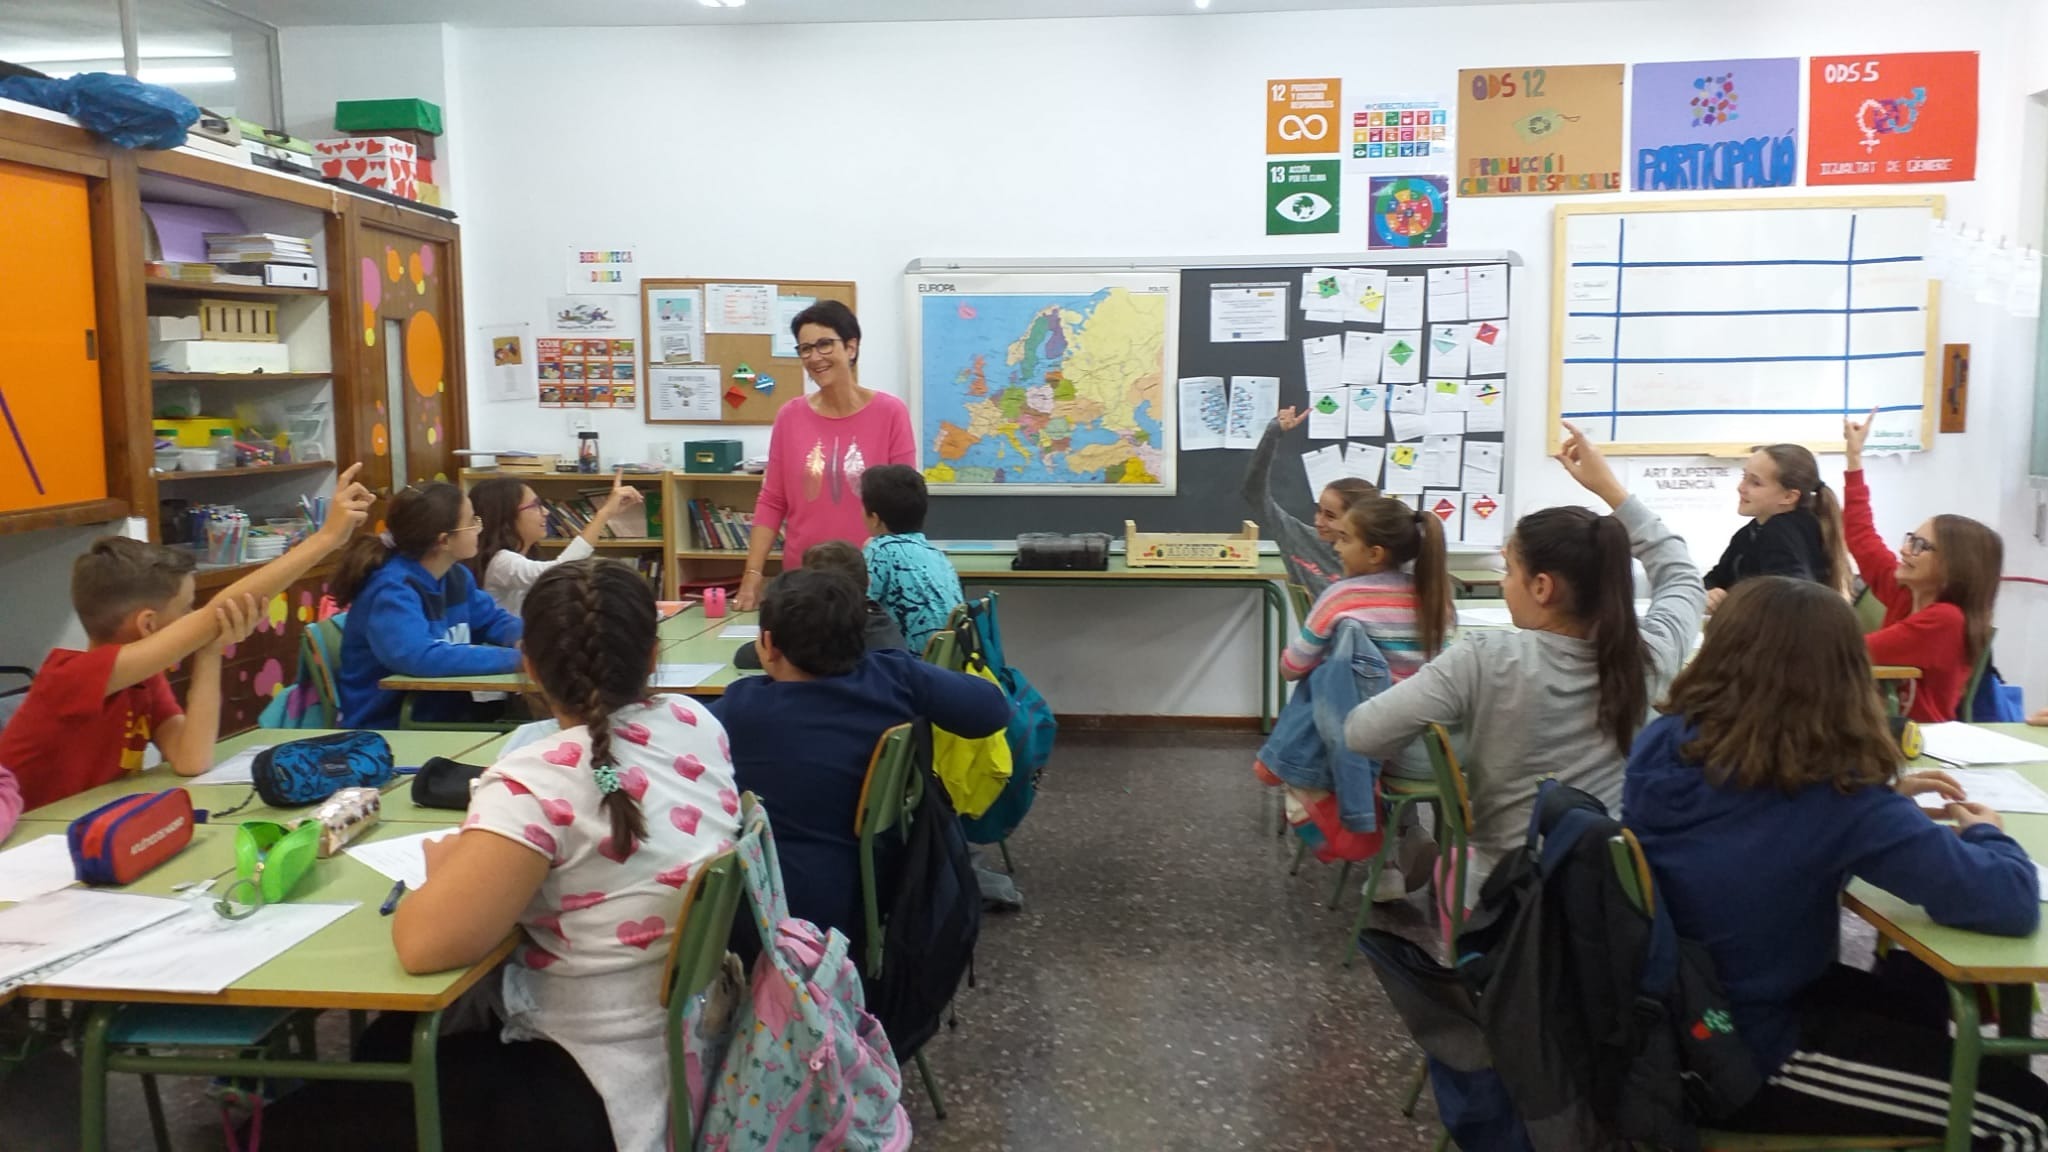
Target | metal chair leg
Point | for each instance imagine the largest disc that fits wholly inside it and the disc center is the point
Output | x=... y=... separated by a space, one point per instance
x=92 y=1088
x=157 y=1127
x=931 y=1086
x=1003 y=846
x=1337 y=889
x=1300 y=854
x=1421 y=1081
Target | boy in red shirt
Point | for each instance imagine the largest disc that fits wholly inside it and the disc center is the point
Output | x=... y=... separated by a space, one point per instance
x=90 y=715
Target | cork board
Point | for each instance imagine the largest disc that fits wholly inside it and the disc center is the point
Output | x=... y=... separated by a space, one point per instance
x=740 y=401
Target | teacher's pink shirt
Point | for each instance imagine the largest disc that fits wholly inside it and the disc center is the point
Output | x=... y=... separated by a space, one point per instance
x=812 y=489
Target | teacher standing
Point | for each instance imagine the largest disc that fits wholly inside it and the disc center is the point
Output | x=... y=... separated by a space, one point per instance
x=820 y=446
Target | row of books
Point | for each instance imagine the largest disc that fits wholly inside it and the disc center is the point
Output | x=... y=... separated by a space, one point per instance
x=569 y=517
x=722 y=528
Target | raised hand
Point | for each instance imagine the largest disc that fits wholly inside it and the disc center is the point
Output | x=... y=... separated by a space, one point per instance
x=1583 y=459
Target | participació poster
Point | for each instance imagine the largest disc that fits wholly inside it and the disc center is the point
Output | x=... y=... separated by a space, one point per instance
x=1714 y=124
x=1539 y=131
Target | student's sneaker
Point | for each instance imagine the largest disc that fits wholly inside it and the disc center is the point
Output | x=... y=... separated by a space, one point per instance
x=1392 y=886
x=1264 y=775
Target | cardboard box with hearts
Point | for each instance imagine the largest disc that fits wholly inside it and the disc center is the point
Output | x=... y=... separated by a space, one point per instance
x=366 y=146
x=384 y=173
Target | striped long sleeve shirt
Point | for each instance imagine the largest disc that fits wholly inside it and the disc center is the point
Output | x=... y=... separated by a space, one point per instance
x=1383 y=602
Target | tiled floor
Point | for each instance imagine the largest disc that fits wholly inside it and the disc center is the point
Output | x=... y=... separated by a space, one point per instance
x=1167 y=985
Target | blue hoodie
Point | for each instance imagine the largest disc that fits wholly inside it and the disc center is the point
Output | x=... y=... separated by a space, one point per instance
x=1757 y=876
x=405 y=622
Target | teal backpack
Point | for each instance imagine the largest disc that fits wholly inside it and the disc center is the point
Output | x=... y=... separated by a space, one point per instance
x=801 y=1064
x=310 y=701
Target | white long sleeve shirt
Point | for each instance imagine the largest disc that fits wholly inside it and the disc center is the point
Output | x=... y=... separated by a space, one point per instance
x=511 y=575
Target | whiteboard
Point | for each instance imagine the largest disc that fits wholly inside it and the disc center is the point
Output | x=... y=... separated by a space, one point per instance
x=1706 y=328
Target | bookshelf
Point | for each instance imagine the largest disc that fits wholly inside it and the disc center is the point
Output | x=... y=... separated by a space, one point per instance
x=695 y=563
x=648 y=553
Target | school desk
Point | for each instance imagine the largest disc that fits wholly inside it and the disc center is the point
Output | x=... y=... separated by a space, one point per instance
x=2010 y=966
x=1476 y=583
x=704 y=646
x=408 y=749
x=350 y=964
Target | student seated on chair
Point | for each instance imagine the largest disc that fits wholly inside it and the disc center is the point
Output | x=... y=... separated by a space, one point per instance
x=1565 y=695
x=1795 y=525
x=1768 y=784
x=802 y=736
x=515 y=520
x=879 y=629
x=90 y=715
x=1309 y=550
x=414 y=610
x=912 y=580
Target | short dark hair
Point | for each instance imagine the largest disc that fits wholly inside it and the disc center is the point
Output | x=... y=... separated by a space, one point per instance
x=829 y=314
x=118 y=575
x=895 y=493
x=815 y=618
x=838 y=556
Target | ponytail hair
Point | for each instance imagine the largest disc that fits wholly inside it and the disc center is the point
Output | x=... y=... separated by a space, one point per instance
x=1799 y=471
x=590 y=636
x=1972 y=560
x=496 y=502
x=1411 y=537
x=416 y=520
x=1589 y=555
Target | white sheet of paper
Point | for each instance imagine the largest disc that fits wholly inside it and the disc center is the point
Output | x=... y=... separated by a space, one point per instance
x=1327 y=415
x=1966 y=744
x=1365 y=295
x=1486 y=292
x=58 y=925
x=36 y=868
x=1486 y=406
x=1204 y=409
x=2041 y=880
x=1484 y=617
x=1485 y=519
x=233 y=770
x=1589 y=286
x=1404 y=302
x=1254 y=401
x=1444 y=423
x=1323 y=466
x=1363 y=352
x=1445 y=395
x=1409 y=398
x=1446 y=294
x=1450 y=350
x=683 y=393
x=740 y=632
x=1482 y=466
x=740 y=309
x=1322 y=290
x=1407 y=425
x=1442 y=458
x=401 y=857
x=2001 y=788
x=1487 y=344
x=1364 y=461
x=1443 y=504
x=1403 y=470
x=782 y=344
x=1368 y=407
x=676 y=326
x=1247 y=313
x=1402 y=362
x=1322 y=362
x=528 y=733
x=200 y=951
x=683 y=675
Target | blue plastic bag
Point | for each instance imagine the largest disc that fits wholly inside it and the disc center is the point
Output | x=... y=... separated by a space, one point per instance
x=126 y=111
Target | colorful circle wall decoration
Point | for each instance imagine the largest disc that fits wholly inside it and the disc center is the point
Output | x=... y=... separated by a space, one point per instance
x=1409 y=212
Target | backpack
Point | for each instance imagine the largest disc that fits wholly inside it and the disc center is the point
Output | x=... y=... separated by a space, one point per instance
x=975 y=772
x=801 y=1064
x=1602 y=1026
x=310 y=701
x=931 y=914
x=1030 y=734
x=1995 y=702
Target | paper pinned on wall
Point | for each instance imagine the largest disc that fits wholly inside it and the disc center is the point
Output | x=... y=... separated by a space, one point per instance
x=1363 y=352
x=1204 y=408
x=1445 y=507
x=1442 y=458
x=1247 y=313
x=1328 y=414
x=1486 y=406
x=1404 y=302
x=1368 y=407
x=1589 y=286
x=1482 y=466
x=604 y=271
x=1450 y=351
x=510 y=376
x=1444 y=424
x=1403 y=473
x=1486 y=292
x=1322 y=362
x=782 y=344
x=1485 y=519
x=1365 y=295
x=739 y=309
x=1254 y=401
x=1407 y=425
x=1446 y=395
x=677 y=394
x=1447 y=295
x=1324 y=466
x=1364 y=461
x=1408 y=398
x=675 y=318
x=1402 y=361
x=1322 y=295
x=1487 y=344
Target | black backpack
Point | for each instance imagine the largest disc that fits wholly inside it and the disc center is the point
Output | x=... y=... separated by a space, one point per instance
x=931 y=915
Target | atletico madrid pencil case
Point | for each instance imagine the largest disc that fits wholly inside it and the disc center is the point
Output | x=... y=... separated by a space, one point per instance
x=118 y=843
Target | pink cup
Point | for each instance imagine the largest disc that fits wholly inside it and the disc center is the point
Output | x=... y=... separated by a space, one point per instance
x=714 y=603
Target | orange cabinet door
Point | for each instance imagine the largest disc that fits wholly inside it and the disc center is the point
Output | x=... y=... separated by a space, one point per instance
x=51 y=448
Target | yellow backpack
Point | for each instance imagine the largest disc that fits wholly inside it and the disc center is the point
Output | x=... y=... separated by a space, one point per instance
x=974 y=771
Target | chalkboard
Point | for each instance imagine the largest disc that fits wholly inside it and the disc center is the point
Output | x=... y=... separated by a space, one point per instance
x=1210 y=482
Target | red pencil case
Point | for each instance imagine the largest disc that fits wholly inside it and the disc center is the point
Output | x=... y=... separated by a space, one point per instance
x=118 y=843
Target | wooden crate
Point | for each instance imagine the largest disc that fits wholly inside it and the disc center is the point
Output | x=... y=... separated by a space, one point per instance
x=1191 y=549
x=237 y=320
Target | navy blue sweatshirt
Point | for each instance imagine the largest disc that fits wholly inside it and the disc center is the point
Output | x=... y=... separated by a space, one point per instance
x=1756 y=876
x=803 y=747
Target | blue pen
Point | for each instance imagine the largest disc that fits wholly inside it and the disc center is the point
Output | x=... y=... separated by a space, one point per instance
x=391 y=901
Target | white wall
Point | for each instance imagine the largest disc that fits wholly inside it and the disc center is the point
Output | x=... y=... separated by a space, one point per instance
x=843 y=151
x=35 y=568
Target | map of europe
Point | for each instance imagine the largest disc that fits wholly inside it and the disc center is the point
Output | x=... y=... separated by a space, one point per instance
x=1046 y=389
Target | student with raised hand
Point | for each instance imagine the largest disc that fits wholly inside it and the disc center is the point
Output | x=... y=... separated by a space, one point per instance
x=1771 y=781
x=90 y=716
x=514 y=522
x=1564 y=695
x=1938 y=590
x=1309 y=551
x=414 y=610
x=1795 y=526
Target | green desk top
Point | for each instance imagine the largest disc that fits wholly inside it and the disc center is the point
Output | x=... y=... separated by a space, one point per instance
x=689 y=625
x=1955 y=953
x=410 y=749
x=348 y=964
x=989 y=566
x=701 y=646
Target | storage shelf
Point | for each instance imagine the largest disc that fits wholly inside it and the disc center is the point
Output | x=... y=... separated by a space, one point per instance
x=235 y=377
x=718 y=554
x=259 y=470
x=588 y=479
x=609 y=542
x=63 y=516
x=739 y=477
x=187 y=288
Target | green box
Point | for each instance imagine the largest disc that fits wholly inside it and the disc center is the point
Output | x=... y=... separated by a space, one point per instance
x=711 y=455
x=387 y=115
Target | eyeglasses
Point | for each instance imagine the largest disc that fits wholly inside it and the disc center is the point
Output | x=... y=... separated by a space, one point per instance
x=528 y=506
x=1917 y=544
x=474 y=525
x=806 y=351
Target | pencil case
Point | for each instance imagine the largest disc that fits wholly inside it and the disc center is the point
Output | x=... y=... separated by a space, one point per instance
x=308 y=771
x=445 y=783
x=120 y=842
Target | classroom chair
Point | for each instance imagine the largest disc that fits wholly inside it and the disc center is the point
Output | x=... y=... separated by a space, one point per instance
x=178 y=1040
x=1302 y=601
x=1446 y=795
x=944 y=650
x=1967 y=712
x=696 y=951
x=1869 y=610
x=887 y=798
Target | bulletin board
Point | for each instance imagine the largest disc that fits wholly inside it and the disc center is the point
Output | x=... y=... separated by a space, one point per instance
x=752 y=355
x=1708 y=327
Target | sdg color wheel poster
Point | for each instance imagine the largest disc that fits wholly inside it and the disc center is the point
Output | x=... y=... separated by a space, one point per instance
x=1409 y=212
